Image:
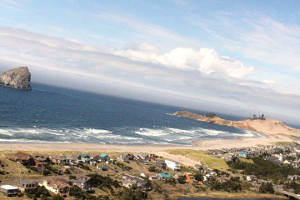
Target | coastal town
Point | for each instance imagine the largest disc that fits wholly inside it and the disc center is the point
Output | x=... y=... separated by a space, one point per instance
x=260 y=171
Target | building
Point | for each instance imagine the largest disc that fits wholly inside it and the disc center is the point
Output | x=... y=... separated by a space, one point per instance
x=244 y=154
x=26 y=184
x=9 y=190
x=23 y=158
x=175 y=166
x=83 y=158
x=82 y=183
x=251 y=178
x=41 y=161
x=126 y=157
x=164 y=176
x=104 y=157
x=57 y=185
x=133 y=181
x=161 y=164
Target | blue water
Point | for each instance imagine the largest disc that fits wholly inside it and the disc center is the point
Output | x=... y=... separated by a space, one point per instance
x=51 y=114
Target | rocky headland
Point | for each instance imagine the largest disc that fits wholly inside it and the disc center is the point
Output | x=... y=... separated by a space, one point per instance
x=268 y=127
x=18 y=78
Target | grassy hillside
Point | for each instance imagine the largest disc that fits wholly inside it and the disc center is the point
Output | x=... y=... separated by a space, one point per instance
x=204 y=158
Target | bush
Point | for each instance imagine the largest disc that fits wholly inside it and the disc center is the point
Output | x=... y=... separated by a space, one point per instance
x=198 y=176
x=153 y=169
x=171 y=181
x=130 y=194
x=264 y=169
x=181 y=179
x=232 y=185
x=101 y=182
x=123 y=166
x=37 y=192
x=266 y=188
x=83 y=166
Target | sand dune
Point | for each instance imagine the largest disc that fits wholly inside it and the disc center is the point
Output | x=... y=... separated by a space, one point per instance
x=268 y=127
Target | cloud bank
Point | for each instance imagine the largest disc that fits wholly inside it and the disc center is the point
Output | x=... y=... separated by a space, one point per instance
x=195 y=78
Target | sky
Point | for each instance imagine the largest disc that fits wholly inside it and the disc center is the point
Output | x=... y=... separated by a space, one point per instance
x=232 y=57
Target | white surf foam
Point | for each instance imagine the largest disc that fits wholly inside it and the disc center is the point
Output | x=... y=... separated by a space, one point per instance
x=151 y=132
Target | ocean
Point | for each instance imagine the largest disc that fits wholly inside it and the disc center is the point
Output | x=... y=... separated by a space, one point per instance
x=53 y=114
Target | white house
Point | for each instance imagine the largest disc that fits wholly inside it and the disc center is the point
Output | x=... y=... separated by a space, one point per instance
x=172 y=165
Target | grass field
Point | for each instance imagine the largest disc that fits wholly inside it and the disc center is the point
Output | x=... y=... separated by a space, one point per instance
x=204 y=158
x=250 y=161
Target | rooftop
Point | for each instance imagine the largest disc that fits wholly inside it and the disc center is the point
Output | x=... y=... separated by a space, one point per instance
x=8 y=187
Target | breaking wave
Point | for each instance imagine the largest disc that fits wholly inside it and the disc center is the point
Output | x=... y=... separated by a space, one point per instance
x=167 y=136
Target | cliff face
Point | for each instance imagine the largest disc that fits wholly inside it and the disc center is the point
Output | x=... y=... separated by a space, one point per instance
x=18 y=78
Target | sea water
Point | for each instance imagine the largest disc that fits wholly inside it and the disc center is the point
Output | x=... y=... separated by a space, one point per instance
x=52 y=114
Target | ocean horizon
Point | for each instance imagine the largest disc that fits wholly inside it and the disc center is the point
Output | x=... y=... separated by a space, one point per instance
x=58 y=115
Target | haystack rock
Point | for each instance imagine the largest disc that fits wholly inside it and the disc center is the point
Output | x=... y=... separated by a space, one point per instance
x=18 y=78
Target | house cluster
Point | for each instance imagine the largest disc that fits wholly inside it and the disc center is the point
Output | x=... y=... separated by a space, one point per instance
x=282 y=155
x=278 y=154
x=41 y=161
x=56 y=184
x=61 y=184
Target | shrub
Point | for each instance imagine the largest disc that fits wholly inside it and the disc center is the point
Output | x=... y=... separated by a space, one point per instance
x=181 y=179
x=153 y=169
x=130 y=194
x=266 y=188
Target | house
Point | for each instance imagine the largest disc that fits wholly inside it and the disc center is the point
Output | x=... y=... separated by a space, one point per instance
x=286 y=162
x=125 y=157
x=23 y=158
x=41 y=161
x=251 y=178
x=102 y=167
x=293 y=177
x=26 y=184
x=161 y=164
x=82 y=183
x=142 y=157
x=57 y=185
x=9 y=190
x=164 y=176
x=85 y=158
x=244 y=154
x=172 y=165
x=104 y=157
x=133 y=181
x=62 y=160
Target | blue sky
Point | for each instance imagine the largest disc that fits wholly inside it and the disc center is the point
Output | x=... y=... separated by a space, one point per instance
x=235 y=57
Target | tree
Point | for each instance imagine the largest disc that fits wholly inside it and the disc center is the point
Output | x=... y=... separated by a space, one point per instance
x=181 y=179
x=198 y=176
x=266 y=188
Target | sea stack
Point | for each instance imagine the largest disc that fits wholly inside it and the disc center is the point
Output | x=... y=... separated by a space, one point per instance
x=18 y=78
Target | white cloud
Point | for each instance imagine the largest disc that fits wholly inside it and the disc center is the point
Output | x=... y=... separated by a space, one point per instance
x=182 y=76
x=256 y=37
x=144 y=31
x=204 y=60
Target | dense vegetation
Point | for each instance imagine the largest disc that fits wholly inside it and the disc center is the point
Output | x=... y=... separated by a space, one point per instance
x=101 y=182
x=231 y=185
x=266 y=188
x=264 y=169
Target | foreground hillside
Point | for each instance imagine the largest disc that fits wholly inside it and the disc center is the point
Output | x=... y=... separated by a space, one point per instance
x=62 y=175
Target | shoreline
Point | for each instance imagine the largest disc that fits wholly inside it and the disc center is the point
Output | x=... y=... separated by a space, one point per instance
x=205 y=144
